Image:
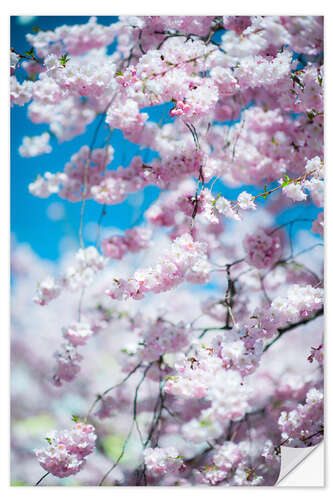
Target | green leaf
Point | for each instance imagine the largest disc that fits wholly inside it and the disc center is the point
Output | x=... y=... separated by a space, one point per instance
x=265 y=192
x=48 y=440
x=205 y=423
x=29 y=52
x=310 y=115
x=75 y=418
x=217 y=197
x=286 y=181
x=64 y=60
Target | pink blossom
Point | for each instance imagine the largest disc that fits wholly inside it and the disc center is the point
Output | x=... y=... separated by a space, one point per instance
x=160 y=461
x=303 y=426
x=262 y=250
x=294 y=191
x=77 y=333
x=35 y=146
x=245 y=201
x=186 y=260
x=66 y=450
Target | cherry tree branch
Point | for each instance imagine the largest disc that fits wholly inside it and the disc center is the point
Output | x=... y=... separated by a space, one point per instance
x=282 y=331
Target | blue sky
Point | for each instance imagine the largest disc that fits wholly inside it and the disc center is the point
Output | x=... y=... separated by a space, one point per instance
x=30 y=216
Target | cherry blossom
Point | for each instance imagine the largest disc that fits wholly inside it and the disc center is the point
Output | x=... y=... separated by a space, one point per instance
x=66 y=450
x=189 y=342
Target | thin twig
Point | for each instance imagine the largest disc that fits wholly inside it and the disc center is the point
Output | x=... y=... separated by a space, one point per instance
x=41 y=479
x=131 y=429
x=100 y=396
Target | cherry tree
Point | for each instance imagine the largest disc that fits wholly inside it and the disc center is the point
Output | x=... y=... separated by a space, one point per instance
x=210 y=309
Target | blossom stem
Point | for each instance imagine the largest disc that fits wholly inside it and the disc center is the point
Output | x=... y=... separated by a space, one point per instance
x=41 y=479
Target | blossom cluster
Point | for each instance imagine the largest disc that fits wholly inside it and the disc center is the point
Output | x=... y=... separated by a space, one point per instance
x=159 y=461
x=185 y=261
x=35 y=146
x=300 y=302
x=77 y=333
x=161 y=338
x=67 y=450
x=134 y=240
x=67 y=364
x=84 y=168
x=202 y=376
x=74 y=39
x=230 y=461
x=245 y=201
x=303 y=426
x=242 y=347
x=295 y=190
x=88 y=262
x=263 y=250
